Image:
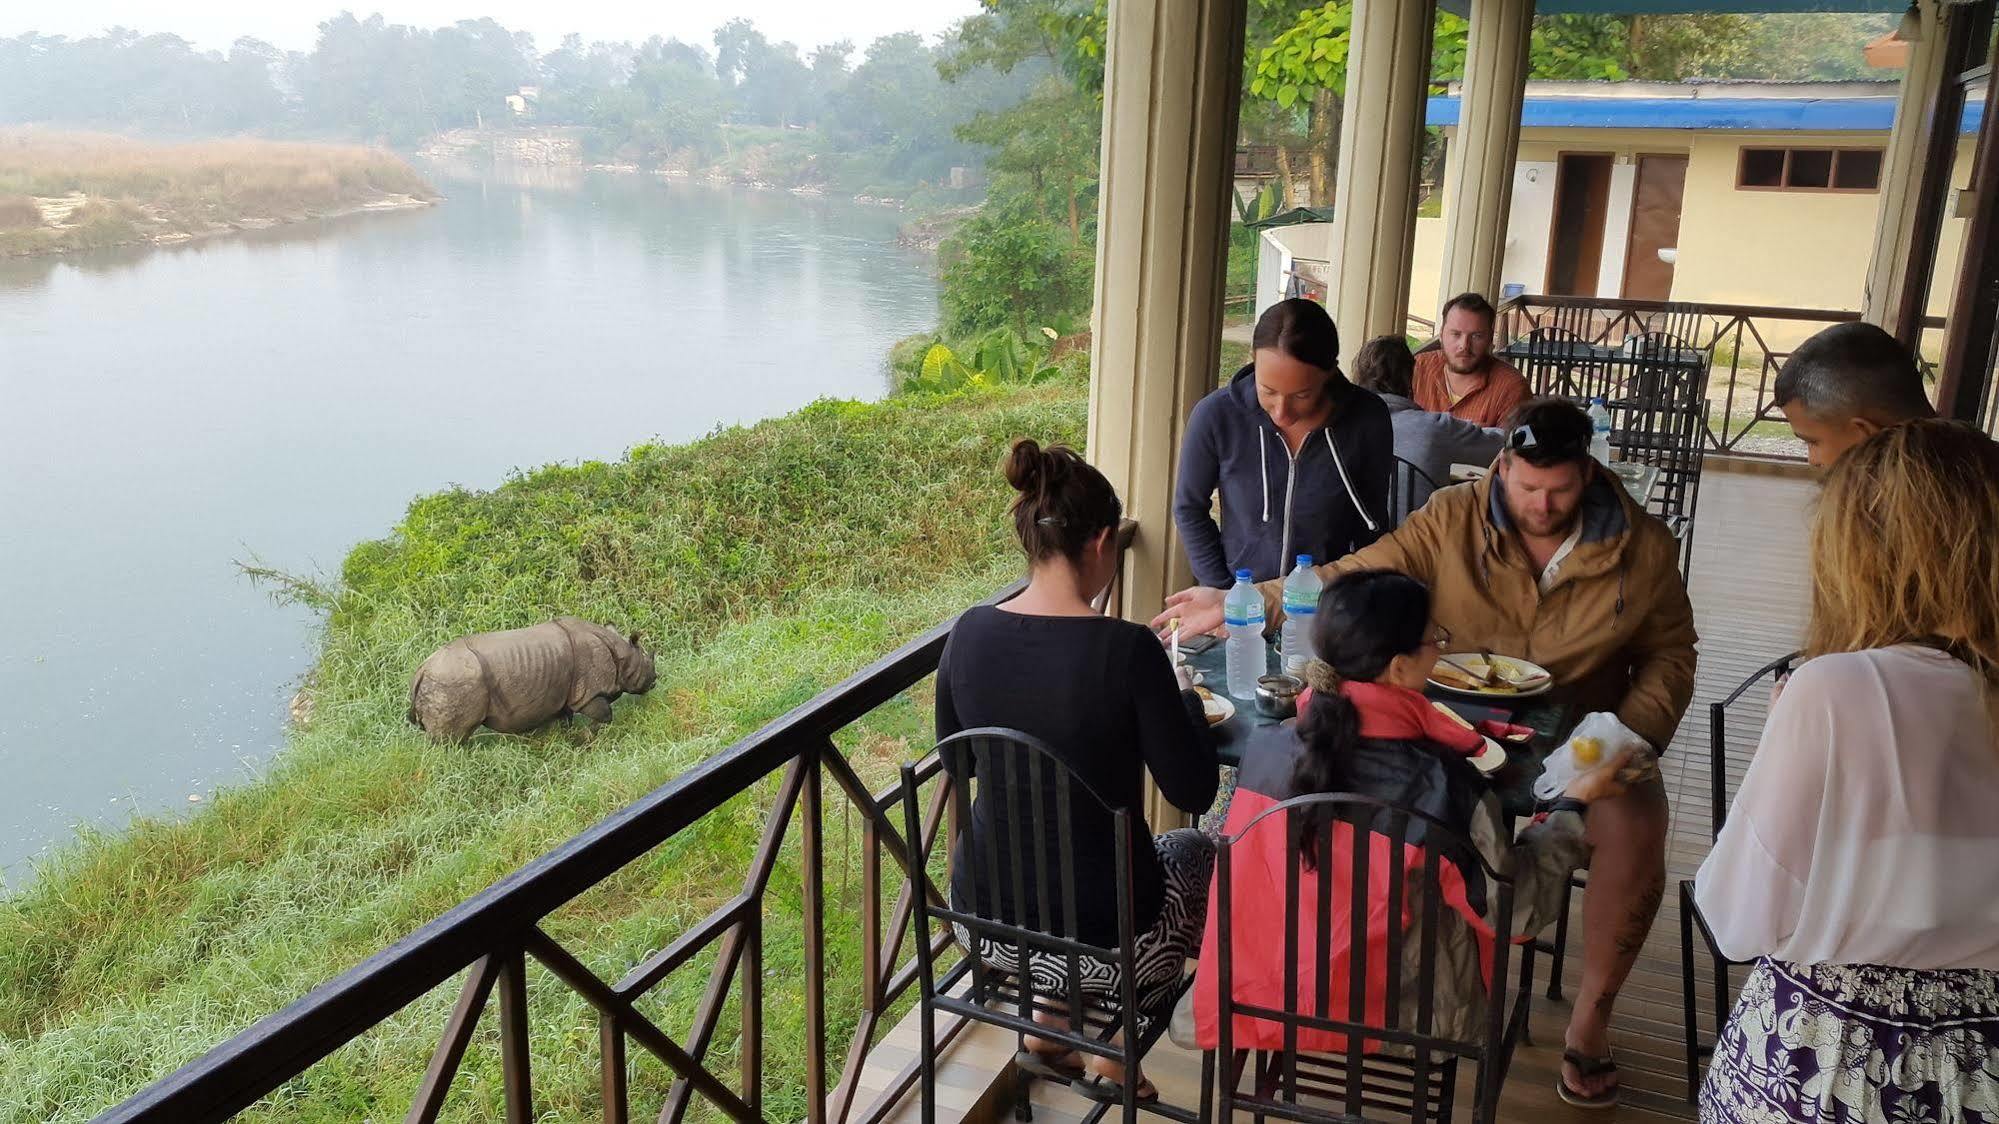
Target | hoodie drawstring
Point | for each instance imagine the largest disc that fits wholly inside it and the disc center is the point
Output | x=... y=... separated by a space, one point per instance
x=1344 y=479
x=1263 y=470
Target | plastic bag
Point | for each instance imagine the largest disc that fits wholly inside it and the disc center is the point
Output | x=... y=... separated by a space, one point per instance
x=1613 y=737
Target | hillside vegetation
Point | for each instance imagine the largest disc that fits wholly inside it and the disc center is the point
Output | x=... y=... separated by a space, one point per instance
x=762 y=564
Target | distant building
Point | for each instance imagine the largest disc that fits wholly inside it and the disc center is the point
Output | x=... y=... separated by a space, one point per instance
x=522 y=103
x=1740 y=192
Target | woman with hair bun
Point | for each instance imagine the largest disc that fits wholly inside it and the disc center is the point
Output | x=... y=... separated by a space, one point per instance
x=1101 y=692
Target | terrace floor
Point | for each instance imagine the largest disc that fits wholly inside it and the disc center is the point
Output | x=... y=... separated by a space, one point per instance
x=1750 y=599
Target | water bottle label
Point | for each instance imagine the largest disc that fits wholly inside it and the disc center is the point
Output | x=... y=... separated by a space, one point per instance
x=1235 y=621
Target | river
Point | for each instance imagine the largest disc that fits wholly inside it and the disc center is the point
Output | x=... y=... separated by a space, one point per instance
x=282 y=395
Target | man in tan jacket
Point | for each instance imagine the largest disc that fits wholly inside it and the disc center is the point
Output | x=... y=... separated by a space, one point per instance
x=1549 y=559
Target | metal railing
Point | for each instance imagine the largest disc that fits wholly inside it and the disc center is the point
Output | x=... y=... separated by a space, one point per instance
x=497 y=931
x=1744 y=346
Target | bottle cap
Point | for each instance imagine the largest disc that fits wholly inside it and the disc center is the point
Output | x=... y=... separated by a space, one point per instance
x=1242 y=575
x=1305 y=560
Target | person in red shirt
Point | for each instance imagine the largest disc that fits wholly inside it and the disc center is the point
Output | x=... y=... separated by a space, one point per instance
x=1462 y=377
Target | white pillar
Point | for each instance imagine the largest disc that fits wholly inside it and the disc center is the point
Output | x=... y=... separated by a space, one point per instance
x=1478 y=170
x=1902 y=167
x=1172 y=76
x=1381 y=140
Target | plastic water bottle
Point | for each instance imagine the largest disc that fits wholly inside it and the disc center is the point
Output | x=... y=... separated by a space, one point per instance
x=1301 y=602
x=1599 y=441
x=1247 y=659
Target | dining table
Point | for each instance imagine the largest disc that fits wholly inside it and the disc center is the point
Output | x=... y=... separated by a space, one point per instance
x=1546 y=714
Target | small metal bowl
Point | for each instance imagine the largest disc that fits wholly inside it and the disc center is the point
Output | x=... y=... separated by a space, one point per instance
x=1277 y=696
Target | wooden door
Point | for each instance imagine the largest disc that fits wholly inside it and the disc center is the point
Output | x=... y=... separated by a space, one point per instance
x=1655 y=226
x=1582 y=204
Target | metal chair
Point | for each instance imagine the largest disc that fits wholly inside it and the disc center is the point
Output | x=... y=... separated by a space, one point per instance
x=1042 y=802
x=1355 y=1085
x=1690 y=914
x=1409 y=489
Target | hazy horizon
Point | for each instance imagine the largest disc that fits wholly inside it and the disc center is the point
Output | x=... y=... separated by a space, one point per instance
x=215 y=24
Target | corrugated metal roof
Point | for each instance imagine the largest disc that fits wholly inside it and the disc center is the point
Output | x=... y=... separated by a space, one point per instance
x=1760 y=115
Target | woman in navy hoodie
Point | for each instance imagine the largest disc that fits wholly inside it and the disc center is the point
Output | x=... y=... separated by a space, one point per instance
x=1302 y=457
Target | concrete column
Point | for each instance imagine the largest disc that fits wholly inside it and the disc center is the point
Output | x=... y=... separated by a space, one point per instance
x=1381 y=139
x=1904 y=251
x=1172 y=79
x=1478 y=171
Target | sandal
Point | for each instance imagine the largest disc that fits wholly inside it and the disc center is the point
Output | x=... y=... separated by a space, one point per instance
x=1588 y=1067
x=1099 y=1088
x=1065 y=1066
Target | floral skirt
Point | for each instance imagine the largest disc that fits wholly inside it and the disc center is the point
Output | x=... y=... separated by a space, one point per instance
x=1159 y=955
x=1830 y=1044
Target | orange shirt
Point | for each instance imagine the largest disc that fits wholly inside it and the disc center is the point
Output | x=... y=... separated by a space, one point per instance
x=1489 y=404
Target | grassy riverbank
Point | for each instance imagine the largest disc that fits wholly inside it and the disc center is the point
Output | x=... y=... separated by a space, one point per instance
x=764 y=563
x=80 y=191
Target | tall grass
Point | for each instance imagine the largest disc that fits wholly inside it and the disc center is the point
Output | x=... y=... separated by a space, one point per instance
x=192 y=188
x=766 y=563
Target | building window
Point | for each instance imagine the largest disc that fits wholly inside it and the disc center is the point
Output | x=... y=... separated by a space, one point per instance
x=1809 y=169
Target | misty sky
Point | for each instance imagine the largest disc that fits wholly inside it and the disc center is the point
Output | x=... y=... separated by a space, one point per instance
x=293 y=24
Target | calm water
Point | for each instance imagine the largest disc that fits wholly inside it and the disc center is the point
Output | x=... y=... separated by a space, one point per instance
x=281 y=396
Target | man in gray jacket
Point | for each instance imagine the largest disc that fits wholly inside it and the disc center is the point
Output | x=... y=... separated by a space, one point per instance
x=1430 y=443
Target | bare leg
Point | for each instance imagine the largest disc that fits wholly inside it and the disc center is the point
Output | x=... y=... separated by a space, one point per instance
x=1627 y=877
x=1110 y=1070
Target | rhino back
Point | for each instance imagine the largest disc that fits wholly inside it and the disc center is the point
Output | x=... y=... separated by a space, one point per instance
x=596 y=670
x=528 y=675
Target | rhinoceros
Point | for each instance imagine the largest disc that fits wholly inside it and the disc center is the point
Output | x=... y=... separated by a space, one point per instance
x=517 y=680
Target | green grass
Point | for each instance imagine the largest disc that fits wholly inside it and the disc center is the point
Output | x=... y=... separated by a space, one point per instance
x=763 y=564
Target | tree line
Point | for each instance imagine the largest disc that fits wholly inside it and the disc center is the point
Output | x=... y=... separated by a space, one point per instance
x=1013 y=92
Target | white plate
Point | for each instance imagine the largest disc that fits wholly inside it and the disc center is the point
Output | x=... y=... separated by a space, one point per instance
x=1473 y=663
x=1218 y=708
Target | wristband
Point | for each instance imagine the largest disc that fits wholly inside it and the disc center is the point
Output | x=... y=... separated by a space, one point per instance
x=1566 y=804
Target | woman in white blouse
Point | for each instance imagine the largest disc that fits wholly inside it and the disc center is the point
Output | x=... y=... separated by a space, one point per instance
x=1859 y=866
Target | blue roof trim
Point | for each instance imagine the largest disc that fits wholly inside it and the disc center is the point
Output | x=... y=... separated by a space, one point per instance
x=1786 y=115
x=1637 y=7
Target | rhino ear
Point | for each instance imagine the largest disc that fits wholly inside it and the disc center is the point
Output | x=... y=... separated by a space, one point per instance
x=634 y=638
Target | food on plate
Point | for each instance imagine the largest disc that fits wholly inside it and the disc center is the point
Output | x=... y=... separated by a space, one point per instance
x=1489 y=675
x=1451 y=714
x=1451 y=675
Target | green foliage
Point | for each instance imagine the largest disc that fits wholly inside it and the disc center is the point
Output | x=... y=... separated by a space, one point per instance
x=762 y=564
x=1007 y=266
x=999 y=356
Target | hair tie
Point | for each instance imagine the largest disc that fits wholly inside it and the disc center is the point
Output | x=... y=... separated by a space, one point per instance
x=1320 y=676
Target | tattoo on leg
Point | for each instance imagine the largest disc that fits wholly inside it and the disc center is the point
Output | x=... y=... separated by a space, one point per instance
x=1630 y=937
x=1605 y=1001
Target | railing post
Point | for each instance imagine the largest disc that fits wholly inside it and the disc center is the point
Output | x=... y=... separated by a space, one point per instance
x=514 y=1077
x=753 y=1009
x=812 y=860
x=611 y=1050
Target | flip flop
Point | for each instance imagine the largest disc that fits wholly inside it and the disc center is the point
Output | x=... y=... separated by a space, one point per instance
x=1588 y=1067
x=1097 y=1087
x=1065 y=1066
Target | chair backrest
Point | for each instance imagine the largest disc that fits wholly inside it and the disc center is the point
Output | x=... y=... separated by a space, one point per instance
x=1366 y=859
x=1023 y=873
x=1717 y=733
x=1409 y=490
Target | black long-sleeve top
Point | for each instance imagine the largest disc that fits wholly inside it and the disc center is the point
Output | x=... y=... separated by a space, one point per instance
x=1101 y=693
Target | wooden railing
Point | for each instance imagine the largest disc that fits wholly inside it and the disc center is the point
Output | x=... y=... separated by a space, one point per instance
x=1743 y=361
x=495 y=933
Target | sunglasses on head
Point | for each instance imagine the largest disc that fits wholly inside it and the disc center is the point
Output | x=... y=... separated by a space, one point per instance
x=1524 y=438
